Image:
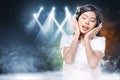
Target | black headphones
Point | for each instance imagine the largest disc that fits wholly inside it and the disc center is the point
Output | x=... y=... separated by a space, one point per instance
x=77 y=13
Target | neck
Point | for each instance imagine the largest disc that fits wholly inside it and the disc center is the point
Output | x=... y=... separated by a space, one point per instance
x=81 y=37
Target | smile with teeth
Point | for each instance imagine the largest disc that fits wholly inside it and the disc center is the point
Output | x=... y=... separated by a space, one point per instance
x=85 y=28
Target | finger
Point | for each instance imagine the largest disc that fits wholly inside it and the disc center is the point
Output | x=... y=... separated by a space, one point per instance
x=74 y=18
x=76 y=26
x=73 y=22
x=97 y=30
x=94 y=30
x=100 y=25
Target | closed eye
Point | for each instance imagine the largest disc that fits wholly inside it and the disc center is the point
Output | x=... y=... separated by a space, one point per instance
x=92 y=20
x=83 y=18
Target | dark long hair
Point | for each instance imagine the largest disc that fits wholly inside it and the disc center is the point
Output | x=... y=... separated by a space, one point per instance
x=90 y=7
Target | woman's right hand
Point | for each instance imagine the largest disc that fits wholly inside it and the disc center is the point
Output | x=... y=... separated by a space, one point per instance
x=75 y=26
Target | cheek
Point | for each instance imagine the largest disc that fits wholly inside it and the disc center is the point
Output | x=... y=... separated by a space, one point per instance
x=91 y=28
x=80 y=22
x=92 y=25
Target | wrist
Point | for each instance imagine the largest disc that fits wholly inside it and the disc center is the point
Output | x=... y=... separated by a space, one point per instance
x=76 y=37
x=86 y=39
x=76 y=40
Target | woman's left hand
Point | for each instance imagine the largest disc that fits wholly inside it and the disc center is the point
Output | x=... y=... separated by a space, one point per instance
x=93 y=32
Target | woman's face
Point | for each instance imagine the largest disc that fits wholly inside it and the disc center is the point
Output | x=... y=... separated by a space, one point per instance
x=87 y=21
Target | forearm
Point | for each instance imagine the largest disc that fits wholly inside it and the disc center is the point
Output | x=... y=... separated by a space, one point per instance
x=90 y=54
x=70 y=53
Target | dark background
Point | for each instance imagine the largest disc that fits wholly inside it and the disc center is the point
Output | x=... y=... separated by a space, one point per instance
x=17 y=46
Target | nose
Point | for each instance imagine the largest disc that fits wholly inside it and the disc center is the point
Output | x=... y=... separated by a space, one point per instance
x=87 y=22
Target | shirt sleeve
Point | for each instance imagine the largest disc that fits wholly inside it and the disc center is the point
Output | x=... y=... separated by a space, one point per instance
x=99 y=44
x=64 y=43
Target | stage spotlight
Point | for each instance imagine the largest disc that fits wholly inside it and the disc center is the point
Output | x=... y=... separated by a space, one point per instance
x=68 y=21
x=52 y=12
x=67 y=12
x=53 y=8
x=41 y=8
x=66 y=8
x=34 y=15
x=51 y=15
x=50 y=24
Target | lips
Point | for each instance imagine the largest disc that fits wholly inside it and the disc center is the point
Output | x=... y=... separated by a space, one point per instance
x=85 y=28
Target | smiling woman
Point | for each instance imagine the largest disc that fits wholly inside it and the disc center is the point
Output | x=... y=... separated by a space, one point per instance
x=83 y=51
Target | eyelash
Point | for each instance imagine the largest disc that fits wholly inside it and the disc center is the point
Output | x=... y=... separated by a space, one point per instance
x=90 y=20
x=83 y=18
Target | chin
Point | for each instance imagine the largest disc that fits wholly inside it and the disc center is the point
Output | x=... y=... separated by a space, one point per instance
x=84 y=32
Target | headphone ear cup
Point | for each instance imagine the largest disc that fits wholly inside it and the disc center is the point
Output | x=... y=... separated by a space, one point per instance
x=77 y=13
x=98 y=23
x=77 y=16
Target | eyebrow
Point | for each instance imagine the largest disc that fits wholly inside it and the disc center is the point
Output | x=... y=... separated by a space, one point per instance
x=87 y=16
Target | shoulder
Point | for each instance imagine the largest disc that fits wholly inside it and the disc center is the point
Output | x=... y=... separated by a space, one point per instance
x=97 y=38
x=67 y=37
x=98 y=43
x=66 y=40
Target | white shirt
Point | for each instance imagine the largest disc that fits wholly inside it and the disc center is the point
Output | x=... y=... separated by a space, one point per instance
x=79 y=69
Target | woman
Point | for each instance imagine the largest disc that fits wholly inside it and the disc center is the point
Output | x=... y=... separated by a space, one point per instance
x=83 y=51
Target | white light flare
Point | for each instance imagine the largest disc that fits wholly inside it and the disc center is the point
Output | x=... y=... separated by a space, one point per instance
x=36 y=15
x=50 y=76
